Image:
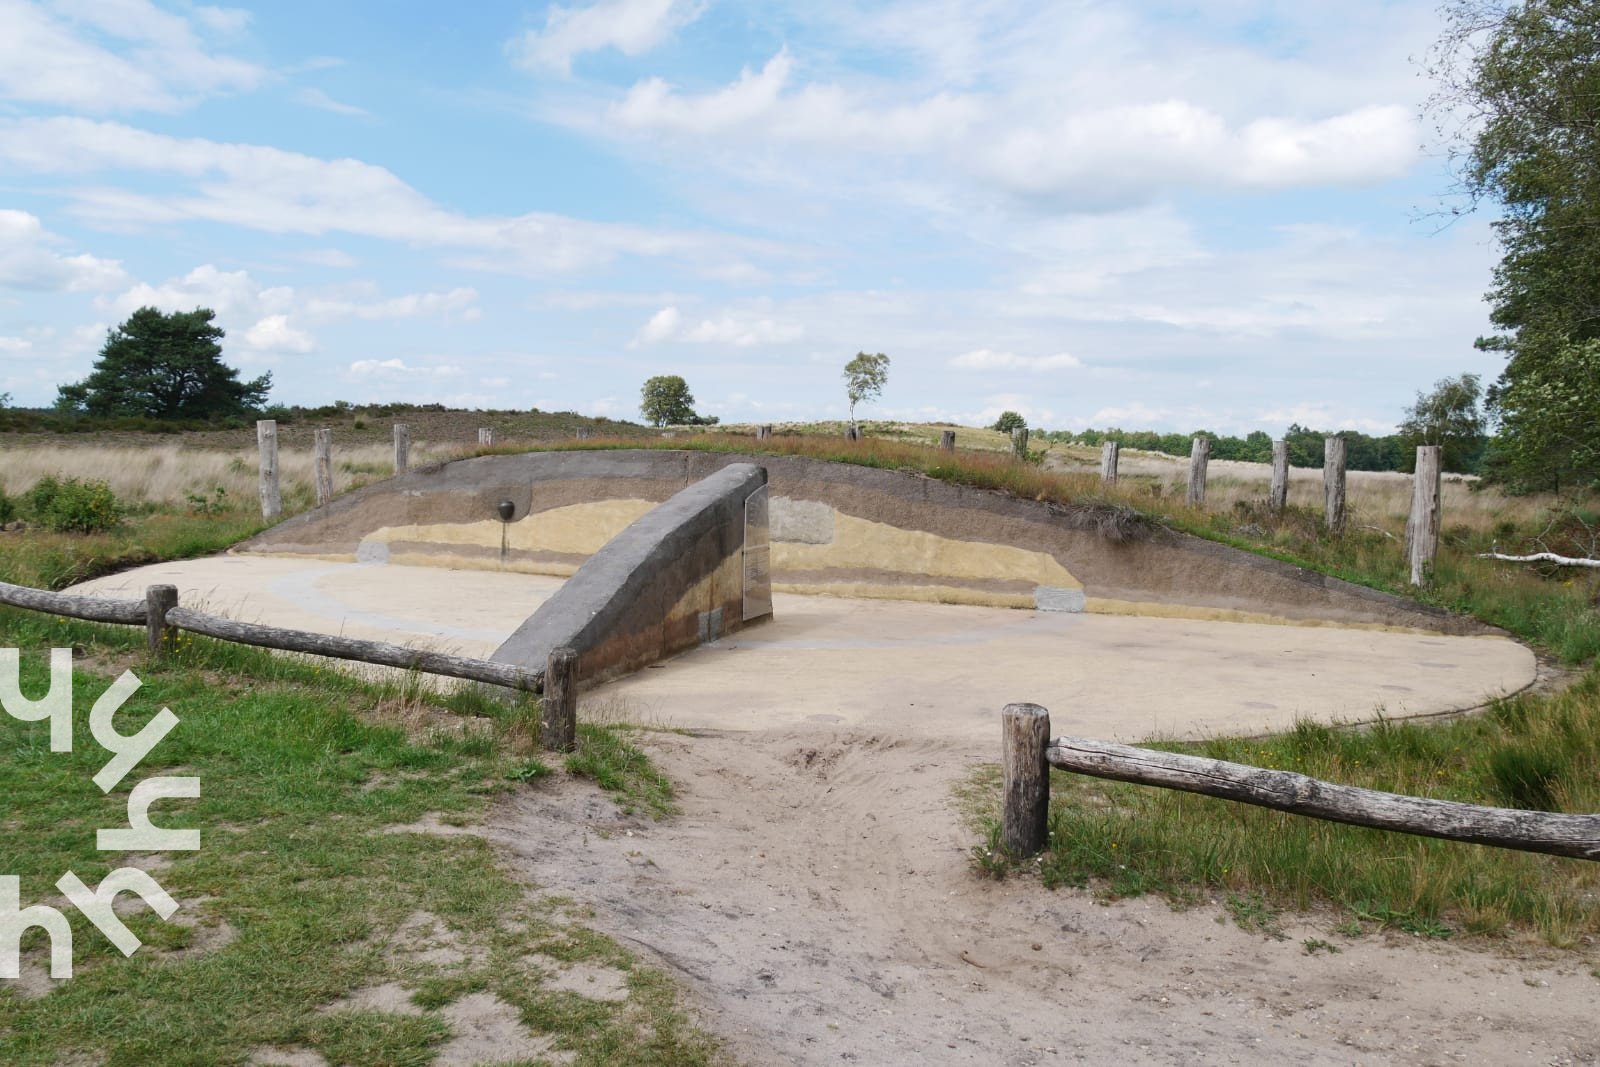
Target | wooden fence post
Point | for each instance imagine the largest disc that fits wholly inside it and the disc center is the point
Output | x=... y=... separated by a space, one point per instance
x=947 y=441
x=485 y=435
x=583 y=433
x=267 y=443
x=1278 y=497
x=322 y=453
x=764 y=433
x=1110 y=452
x=1333 y=483
x=1019 y=442
x=1199 y=455
x=402 y=447
x=160 y=637
x=558 y=729
x=1422 y=528
x=1025 y=816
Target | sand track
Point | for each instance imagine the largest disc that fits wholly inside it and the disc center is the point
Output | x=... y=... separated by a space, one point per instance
x=815 y=895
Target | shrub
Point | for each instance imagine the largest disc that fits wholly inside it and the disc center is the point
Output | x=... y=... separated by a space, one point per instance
x=74 y=506
x=8 y=507
x=1008 y=421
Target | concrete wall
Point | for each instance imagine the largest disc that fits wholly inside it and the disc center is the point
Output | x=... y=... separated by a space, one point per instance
x=835 y=528
x=690 y=570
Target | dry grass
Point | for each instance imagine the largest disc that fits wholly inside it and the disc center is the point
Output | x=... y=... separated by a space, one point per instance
x=1377 y=498
x=169 y=474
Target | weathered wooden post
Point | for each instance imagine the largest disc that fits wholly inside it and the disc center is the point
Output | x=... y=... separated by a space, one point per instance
x=583 y=433
x=764 y=433
x=1278 y=497
x=1110 y=452
x=1422 y=528
x=402 y=447
x=1019 y=442
x=558 y=728
x=1333 y=483
x=947 y=441
x=160 y=637
x=322 y=455
x=485 y=435
x=1199 y=456
x=1025 y=814
x=267 y=443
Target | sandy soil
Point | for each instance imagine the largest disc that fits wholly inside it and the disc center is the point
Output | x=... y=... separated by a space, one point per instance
x=816 y=897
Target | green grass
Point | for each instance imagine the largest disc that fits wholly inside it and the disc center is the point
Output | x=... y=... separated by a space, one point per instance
x=50 y=560
x=604 y=754
x=1529 y=751
x=302 y=767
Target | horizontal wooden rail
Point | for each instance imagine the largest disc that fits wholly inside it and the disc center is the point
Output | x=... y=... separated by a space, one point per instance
x=1026 y=761
x=1553 y=833
x=91 y=608
x=377 y=652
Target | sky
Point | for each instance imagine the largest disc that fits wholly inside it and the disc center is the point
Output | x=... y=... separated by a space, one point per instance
x=1150 y=214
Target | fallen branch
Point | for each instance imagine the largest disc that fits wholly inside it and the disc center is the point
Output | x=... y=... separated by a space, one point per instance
x=1543 y=557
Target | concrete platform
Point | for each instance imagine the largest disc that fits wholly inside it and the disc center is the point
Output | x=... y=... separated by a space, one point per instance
x=908 y=669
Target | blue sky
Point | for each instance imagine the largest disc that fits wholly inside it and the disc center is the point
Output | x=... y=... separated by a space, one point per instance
x=1148 y=214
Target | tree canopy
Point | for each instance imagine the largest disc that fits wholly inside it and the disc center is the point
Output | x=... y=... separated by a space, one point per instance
x=864 y=378
x=1448 y=416
x=665 y=400
x=1008 y=421
x=1523 y=78
x=164 y=366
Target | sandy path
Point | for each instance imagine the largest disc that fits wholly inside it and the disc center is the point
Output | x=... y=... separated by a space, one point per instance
x=815 y=894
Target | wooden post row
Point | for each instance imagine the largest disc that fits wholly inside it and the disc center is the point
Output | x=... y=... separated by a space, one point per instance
x=764 y=433
x=267 y=444
x=947 y=441
x=1422 y=528
x=1110 y=452
x=322 y=461
x=1199 y=455
x=402 y=447
x=1025 y=779
x=558 y=725
x=1278 y=497
x=1333 y=483
x=485 y=435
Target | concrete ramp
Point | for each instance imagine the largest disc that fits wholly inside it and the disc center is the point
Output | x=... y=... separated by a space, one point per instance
x=690 y=570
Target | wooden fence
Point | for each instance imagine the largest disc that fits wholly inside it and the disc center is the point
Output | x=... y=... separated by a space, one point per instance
x=1028 y=755
x=162 y=618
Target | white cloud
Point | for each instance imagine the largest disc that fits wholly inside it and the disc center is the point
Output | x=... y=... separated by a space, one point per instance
x=632 y=27
x=233 y=295
x=159 y=63
x=738 y=329
x=272 y=190
x=15 y=344
x=398 y=368
x=274 y=334
x=827 y=114
x=663 y=326
x=323 y=102
x=28 y=260
x=1060 y=106
x=263 y=317
x=988 y=359
x=456 y=301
